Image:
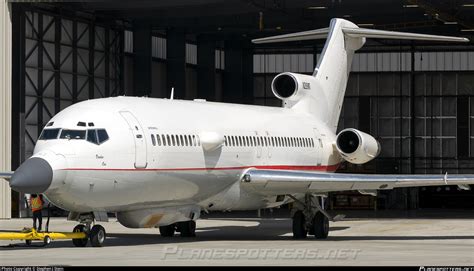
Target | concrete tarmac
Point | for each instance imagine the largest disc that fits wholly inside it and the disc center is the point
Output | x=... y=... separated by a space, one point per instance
x=252 y=241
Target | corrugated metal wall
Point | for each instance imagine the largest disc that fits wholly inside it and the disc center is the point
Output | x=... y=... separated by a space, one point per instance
x=5 y=107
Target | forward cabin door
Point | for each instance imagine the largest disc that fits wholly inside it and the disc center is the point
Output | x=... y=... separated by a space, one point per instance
x=138 y=137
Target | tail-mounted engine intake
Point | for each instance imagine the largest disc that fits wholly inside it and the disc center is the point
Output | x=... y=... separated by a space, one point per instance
x=357 y=147
x=289 y=86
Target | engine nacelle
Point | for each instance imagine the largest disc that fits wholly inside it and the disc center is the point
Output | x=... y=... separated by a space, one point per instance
x=357 y=147
x=290 y=86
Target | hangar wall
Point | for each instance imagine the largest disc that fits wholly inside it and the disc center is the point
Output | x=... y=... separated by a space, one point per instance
x=58 y=60
x=419 y=106
x=5 y=106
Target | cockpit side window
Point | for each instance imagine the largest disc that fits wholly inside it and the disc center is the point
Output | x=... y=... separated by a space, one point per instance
x=92 y=136
x=48 y=134
x=73 y=134
x=97 y=136
x=102 y=135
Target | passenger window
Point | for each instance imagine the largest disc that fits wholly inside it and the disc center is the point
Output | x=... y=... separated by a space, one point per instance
x=173 y=140
x=225 y=140
x=153 y=140
x=92 y=136
x=102 y=135
x=168 y=140
x=158 y=140
x=182 y=140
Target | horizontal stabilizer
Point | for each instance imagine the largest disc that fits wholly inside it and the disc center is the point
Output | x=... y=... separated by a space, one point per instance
x=357 y=33
x=321 y=33
x=382 y=34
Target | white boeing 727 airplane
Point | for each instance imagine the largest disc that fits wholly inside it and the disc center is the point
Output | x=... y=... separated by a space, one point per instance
x=160 y=162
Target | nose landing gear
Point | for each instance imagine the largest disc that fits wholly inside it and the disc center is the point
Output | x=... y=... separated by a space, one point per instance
x=96 y=234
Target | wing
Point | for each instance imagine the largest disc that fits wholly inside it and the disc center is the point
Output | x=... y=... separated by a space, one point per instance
x=6 y=175
x=286 y=182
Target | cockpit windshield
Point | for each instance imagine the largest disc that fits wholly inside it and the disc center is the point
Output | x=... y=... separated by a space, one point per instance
x=48 y=134
x=96 y=136
x=73 y=134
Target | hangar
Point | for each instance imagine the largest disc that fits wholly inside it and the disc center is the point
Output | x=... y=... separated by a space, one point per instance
x=416 y=98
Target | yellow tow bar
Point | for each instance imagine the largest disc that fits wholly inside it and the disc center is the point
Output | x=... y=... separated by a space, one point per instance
x=30 y=234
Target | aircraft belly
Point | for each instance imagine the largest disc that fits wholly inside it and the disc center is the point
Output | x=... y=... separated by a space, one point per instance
x=107 y=191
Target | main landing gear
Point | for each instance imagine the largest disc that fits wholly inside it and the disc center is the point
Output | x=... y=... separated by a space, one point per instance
x=186 y=228
x=96 y=234
x=310 y=218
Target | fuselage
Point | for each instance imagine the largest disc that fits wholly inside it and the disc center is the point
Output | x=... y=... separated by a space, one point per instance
x=153 y=154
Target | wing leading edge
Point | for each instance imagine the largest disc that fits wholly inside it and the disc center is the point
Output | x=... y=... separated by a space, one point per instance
x=6 y=175
x=286 y=181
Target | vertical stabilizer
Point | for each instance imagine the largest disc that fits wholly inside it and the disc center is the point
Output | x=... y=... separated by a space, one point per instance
x=334 y=66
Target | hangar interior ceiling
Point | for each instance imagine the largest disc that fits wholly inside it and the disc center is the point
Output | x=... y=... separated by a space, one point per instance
x=416 y=98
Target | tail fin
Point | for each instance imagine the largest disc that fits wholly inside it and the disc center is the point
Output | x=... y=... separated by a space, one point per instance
x=334 y=65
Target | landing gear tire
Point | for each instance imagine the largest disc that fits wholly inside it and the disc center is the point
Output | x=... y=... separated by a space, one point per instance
x=167 y=231
x=320 y=226
x=97 y=236
x=80 y=242
x=46 y=240
x=299 y=229
x=187 y=228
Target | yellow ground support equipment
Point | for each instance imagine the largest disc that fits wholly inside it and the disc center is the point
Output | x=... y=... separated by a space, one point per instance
x=30 y=234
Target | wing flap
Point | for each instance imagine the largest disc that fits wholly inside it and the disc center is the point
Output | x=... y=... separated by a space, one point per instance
x=288 y=181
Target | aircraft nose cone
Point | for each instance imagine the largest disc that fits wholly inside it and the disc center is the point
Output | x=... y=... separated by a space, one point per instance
x=33 y=176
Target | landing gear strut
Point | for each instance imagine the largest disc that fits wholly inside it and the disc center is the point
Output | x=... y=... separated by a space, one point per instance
x=312 y=219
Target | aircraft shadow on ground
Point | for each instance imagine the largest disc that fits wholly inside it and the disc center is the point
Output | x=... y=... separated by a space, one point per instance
x=264 y=231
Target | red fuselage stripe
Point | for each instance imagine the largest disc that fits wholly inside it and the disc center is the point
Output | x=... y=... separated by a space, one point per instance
x=280 y=167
